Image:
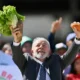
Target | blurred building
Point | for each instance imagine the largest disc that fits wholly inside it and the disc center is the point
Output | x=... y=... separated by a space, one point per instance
x=41 y=13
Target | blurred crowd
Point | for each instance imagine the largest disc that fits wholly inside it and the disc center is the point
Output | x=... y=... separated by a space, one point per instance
x=71 y=72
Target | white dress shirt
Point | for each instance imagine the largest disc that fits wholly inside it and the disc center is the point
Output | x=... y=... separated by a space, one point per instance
x=47 y=70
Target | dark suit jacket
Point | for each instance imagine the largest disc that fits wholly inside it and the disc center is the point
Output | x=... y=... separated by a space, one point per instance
x=55 y=64
x=51 y=39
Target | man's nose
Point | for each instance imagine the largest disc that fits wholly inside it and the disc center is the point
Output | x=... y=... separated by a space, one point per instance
x=41 y=46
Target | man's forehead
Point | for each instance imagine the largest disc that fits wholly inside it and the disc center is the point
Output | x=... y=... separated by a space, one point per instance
x=40 y=41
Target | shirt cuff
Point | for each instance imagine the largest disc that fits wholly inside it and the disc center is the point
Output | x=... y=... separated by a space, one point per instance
x=16 y=44
x=77 y=41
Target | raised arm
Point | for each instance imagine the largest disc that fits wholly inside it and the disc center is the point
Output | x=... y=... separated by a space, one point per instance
x=54 y=28
x=52 y=42
x=69 y=56
x=18 y=57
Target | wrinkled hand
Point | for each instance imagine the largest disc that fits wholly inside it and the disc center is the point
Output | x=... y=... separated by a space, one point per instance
x=77 y=32
x=56 y=25
x=17 y=32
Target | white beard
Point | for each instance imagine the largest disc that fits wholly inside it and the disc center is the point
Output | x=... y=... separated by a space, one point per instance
x=39 y=56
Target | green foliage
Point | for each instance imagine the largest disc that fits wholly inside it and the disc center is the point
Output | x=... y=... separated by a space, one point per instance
x=9 y=17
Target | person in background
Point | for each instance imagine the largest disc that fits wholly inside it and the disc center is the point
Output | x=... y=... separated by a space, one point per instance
x=60 y=48
x=8 y=69
x=55 y=26
x=7 y=49
x=75 y=69
x=26 y=45
x=70 y=39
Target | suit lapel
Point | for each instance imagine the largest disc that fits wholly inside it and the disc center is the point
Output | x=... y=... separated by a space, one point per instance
x=37 y=69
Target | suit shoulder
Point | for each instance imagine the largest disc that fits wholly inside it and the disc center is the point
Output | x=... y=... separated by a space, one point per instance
x=55 y=55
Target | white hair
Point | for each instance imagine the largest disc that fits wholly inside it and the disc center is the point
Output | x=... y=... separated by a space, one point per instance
x=35 y=42
x=40 y=39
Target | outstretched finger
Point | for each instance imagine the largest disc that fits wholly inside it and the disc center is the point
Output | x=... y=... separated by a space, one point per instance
x=60 y=19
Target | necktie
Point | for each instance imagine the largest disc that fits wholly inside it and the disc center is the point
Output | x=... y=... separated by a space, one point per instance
x=42 y=73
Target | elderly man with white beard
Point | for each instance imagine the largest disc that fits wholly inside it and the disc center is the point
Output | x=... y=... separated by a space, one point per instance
x=42 y=65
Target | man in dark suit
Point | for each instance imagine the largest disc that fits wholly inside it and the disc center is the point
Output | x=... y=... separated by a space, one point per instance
x=41 y=65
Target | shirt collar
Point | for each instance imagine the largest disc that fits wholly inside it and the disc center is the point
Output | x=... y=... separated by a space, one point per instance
x=38 y=61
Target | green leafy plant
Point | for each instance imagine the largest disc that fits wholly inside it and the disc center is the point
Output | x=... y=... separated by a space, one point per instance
x=9 y=17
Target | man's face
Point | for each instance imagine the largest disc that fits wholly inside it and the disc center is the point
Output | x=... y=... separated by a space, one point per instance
x=8 y=51
x=77 y=66
x=61 y=51
x=40 y=49
x=27 y=48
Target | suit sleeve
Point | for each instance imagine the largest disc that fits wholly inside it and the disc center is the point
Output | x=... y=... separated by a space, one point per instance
x=69 y=56
x=52 y=42
x=18 y=57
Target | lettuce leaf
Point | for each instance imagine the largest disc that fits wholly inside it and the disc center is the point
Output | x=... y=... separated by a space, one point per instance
x=9 y=17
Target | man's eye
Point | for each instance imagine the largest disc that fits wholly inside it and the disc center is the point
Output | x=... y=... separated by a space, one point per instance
x=38 y=45
x=44 y=45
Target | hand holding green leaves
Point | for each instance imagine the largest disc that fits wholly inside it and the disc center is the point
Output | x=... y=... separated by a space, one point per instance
x=9 y=17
